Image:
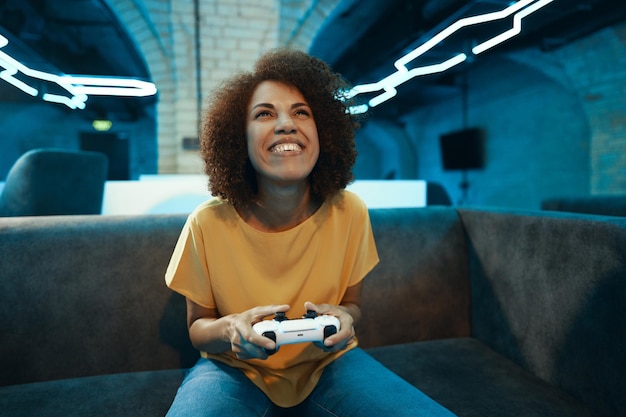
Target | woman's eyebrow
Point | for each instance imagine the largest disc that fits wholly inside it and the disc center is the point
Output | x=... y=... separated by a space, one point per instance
x=293 y=106
x=262 y=105
x=271 y=106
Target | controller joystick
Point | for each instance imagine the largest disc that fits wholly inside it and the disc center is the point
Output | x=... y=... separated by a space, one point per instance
x=310 y=328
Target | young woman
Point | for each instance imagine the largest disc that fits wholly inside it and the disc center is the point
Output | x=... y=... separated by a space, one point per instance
x=281 y=236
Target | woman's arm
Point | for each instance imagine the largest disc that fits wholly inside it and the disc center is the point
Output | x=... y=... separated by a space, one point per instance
x=351 y=302
x=209 y=332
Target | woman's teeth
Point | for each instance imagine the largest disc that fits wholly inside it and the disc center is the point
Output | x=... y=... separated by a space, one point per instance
x=286 y=147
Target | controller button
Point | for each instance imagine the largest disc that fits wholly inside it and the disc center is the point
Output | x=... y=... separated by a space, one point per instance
x=329 y=331
x=270 y=335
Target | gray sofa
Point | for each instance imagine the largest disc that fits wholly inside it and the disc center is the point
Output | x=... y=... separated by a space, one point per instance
x=606 y=205
x=491 y=313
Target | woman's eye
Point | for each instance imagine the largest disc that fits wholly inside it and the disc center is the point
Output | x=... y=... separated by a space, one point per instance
x=263 y=114
x=302 y=112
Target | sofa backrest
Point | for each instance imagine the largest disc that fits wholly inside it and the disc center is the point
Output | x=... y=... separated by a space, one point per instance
x=549 y=292
x=420 y=289
x=606 y=205
x=85 y=295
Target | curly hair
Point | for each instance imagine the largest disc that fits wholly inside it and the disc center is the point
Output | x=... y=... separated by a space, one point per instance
x=223 y=145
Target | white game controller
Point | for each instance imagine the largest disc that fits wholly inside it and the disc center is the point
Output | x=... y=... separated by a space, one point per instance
x=310 y=328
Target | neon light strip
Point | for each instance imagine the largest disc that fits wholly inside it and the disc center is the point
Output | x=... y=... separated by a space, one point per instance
x=12 y=67
x=79 y=87
x=400 y=77
x=390 y=89
x=110 y=86
x=514 y=31
x=71 y=102
x=8 y=75
x=456 y=26
x=403 y=74
x=360 y=109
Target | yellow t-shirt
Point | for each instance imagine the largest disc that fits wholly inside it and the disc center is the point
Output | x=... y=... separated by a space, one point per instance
x=221 y=262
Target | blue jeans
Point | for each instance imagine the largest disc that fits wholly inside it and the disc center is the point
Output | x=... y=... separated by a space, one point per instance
x=353 y=385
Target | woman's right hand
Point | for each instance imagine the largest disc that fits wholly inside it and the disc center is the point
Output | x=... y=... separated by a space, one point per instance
x=245 y=343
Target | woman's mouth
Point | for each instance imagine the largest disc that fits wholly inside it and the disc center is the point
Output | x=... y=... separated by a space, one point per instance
x=286 y=147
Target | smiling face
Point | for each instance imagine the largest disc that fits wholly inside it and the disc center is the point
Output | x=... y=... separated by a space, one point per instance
x=282 y=139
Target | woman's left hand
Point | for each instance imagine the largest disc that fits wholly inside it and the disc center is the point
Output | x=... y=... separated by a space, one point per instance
x=345 y=336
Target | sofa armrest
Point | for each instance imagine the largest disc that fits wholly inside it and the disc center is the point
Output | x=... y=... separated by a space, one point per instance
x=549 y=292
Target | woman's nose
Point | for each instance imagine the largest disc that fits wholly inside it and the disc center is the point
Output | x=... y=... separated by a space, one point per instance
x=285 y=124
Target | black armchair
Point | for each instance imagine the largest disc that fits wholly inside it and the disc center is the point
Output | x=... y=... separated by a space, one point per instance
x=55 y=181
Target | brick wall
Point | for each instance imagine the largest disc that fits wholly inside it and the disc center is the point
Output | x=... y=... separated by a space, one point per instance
x=232 y=34
x=596 y=67
x=300 y=21
x=149 y=24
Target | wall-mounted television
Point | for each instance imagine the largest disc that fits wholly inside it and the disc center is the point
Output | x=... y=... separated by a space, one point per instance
x=463 y=149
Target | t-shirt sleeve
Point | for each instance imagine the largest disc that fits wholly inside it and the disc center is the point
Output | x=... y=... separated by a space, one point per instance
x=187 y=272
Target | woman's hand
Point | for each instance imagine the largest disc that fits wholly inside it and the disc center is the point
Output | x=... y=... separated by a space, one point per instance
x=345 y=336
x=212 y=333
x=245 y=343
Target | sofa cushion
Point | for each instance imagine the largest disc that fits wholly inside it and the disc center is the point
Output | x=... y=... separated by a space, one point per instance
x=135 y=394
x=472 y=380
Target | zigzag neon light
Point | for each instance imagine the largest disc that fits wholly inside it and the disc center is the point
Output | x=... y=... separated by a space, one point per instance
x=519 y=10
x=78 y=87
x=514 y=31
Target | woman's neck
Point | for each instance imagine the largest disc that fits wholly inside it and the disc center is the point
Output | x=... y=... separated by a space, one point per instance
x=280 y=208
